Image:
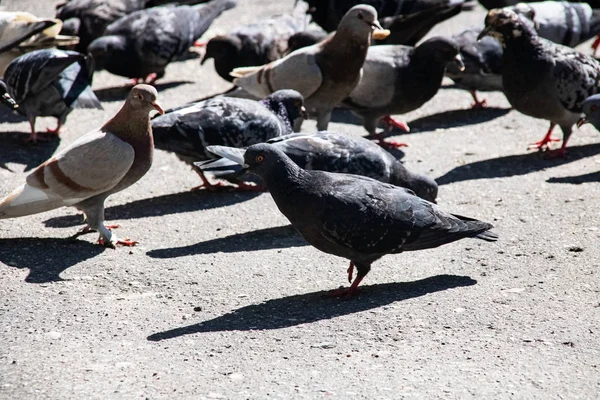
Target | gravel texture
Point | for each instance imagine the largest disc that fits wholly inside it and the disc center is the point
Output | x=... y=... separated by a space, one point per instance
x=222 y=299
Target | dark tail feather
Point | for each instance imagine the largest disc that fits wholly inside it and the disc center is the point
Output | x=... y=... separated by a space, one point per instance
x=488 y=236
x=484 y=228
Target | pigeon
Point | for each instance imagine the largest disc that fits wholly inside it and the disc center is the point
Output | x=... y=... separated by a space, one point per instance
x=225 y=121
x=5 y=97
x=398 y=79
x=490 y=4
x=98 y=164
x=540 y=78
x=332 y=152
x=305 y=38
x=591 y=112
x=255 y=44
x=324 y=73
x=356 y=217
x=328 y=14
x=21 y=32
x=482 y=64
x=51 y=83
x=140 y=45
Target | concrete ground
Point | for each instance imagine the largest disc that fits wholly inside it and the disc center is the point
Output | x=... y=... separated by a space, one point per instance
x=221 y=299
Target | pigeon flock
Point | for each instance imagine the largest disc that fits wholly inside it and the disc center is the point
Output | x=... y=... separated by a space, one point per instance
x=346 y=195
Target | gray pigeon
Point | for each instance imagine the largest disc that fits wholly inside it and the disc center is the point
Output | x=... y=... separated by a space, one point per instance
x=226 y=121
x=255 y=44
x=332 y=152
x=324 y=73
x=355 y=217
x=482 y=64
x=51 y=83
x=98 y=164
x=140 y=45
x=397 y=79
x=591 y=112
x=540 y=78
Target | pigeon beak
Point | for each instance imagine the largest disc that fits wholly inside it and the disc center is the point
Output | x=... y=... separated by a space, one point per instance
x=158 y=108
x=303 y=112
x=581 y=122
x=485 y=32
x=458 y=59
x=245 y=167
x=378 y=32
x=9 y=101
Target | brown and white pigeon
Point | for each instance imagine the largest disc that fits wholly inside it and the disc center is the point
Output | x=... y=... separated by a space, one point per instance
x=98 y=164
x=324 y=73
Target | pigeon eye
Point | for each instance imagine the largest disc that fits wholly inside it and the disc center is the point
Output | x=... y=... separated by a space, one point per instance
x=260 y=158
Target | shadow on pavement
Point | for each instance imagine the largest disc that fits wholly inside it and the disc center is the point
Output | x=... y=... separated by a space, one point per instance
x=456 y=118
x=514 y=165
x=269 y=238
x=46 y=258
x=118 y=93
x=14 y=149
x=577 y=180
x=311 y=307
x=162 y=205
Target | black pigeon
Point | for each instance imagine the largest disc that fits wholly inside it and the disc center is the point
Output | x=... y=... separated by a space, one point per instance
x=397 y=79
x=143 y=43
x=305 y=38
x=225 y=121
x=332 y=152
x=255 y=44
x=355 y=217
x=482 y=64
x=51 y=83
x=540 y=78
x=490 y=4
x=328 y=14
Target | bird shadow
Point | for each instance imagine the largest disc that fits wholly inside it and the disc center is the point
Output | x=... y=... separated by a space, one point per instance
x=514 y=165
x=46 y=258
x=306 y=308
x=269 y=238
x=162 y=205
x=456 y=118
x=577 y=180
x=16 y=150
x=118 y=93
x=11 y=116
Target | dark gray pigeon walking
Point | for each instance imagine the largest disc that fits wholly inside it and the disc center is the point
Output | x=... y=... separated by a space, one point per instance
x=540 y=78
x=397 y=79
x=257 y=43
x=332 y=152
x=355 y=217
x=482 y=64
x=140 y=45
x=225 y=121
x=51 y=83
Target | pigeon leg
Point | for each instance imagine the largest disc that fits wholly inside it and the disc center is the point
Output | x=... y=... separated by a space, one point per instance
x=479 y=104
x=206 y=185
x=596 y=44
x=350 y=271
x=33 y=134
x=361 y=271
x=393 y=122
x=54 y=131
x=543 y=144
x=200 y=43
x=378 y=137
x=151 y=78
x=133 y=82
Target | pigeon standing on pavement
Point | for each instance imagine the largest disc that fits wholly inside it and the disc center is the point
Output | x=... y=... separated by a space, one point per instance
x=397 y=79
x=51 y=83
x=324 y=73
x=540 y=78
x=98 y=164
x=140 y=45
x=355 y=217
x=255 y=44
x=225 y=121
x=332 y=152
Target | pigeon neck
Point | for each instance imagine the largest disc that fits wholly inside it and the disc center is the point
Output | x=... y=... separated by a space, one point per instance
x=278 y=109
x=348 y=41
x=284 y=176
x=129 y=123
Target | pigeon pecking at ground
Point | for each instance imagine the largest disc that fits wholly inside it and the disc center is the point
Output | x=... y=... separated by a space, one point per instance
x=540 y=78
x=332 y=152
x=140 y=45
x=397 y=79
x=257 y=43
x=355 y=217
x=225 y=121
x=51 y=83
x=324 y=73
x=591 y=112
x=98 y=164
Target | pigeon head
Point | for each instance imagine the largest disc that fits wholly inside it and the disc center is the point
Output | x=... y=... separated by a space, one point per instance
x=5 y=97
x=264 y=159
x=222 y=48
x=591 y=112
x=440 y=50
x=424 y=187
x=288 y=104
x=304 y=39
x=504 y=24
x=144 y=98
x=361 y=20
x=106 y=48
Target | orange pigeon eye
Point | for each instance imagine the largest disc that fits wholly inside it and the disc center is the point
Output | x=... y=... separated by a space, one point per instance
x=260 y=158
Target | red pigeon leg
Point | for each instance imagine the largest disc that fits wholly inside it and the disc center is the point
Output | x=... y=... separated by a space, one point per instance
x=151 y=78
x=206 y=185
x=200 y=43
x=350 y=271
x=353 y=289
x=596 y=44
x=33 y=138
x=133 y=82
x=393 y=122
x=542 y=144
x=479 y=104
x=558 y=153
x=385 y=144
x=126 y=242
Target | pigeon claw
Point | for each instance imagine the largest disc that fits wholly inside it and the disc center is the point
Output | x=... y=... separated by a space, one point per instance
x=543 y=144
x=393 y=122
x=126 y=242
x=479 y=105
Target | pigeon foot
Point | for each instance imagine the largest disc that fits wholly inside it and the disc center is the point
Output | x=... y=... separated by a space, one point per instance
x=350 y=271
x=479 y=105
x=393 y=122
x=54 y=131
x=543 y=144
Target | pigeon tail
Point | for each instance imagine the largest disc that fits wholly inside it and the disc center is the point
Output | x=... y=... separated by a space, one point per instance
x=27 y=200
x=481 y=230
x=220 y=168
